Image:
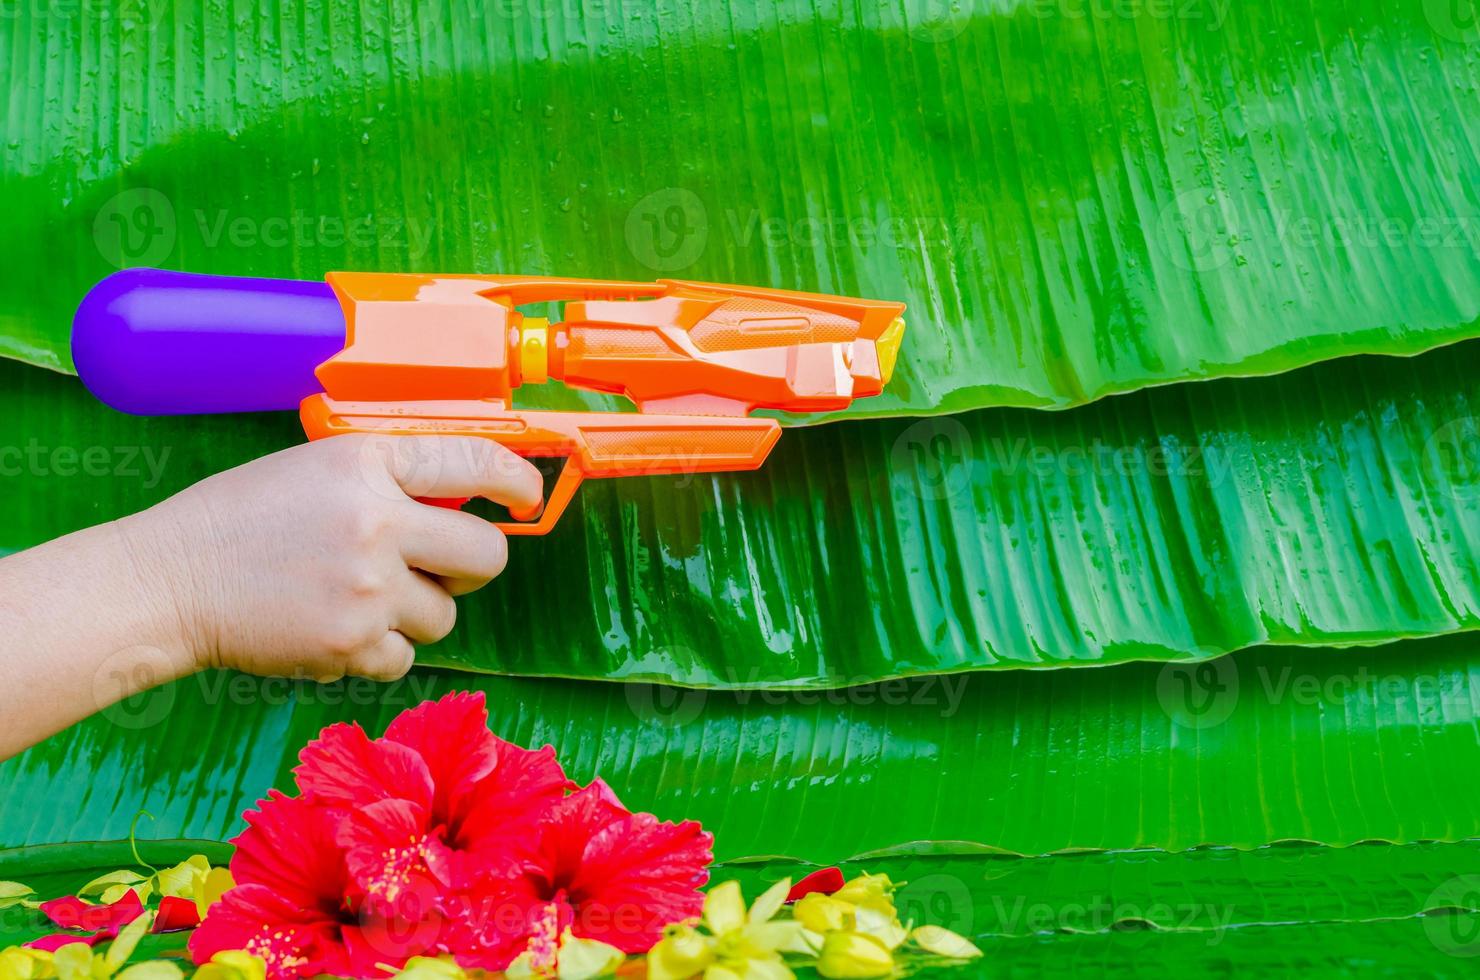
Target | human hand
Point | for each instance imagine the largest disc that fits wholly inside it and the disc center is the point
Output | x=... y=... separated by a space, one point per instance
x=316 y=561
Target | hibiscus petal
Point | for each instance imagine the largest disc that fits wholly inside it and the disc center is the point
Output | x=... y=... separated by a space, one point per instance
x=567 y=827
x=175 y=914
x=392 y=857
x=638 y=875
x=72 y=912
x=452 y=736
x=493 y=925
x=289 y=846
x=823 y=880
x=54 y=942
x=292 y=941
x=507 y=804
x=344 y=768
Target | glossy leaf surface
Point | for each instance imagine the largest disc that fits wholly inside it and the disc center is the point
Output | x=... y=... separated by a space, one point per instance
x=1074 y=199
x=1198 y=907
x=1335 y=747
x=1337 y=504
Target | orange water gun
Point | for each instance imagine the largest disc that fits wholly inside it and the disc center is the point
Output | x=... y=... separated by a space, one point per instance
x=405 y=354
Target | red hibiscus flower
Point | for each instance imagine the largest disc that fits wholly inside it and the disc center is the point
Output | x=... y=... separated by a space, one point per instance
x=295 y=905
x=438 y=838
x=439 y=796
x=595 y=867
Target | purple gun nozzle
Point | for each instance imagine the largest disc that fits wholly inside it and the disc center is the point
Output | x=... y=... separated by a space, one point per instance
x=151 y=342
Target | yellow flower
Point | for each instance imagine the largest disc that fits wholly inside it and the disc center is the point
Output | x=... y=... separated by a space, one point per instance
x=430 y=968
x=576 y=959
x=864 y=905
x=853 y=955
x=109 y=888
x=233 y=964
x=23 y=963
x=823 y=913
x=944 y=942
x=75 y=961
x=682 y=952
x=746 y=945
x=870 y=892
x=15 y=893
x=179 y=881
x=208 y=888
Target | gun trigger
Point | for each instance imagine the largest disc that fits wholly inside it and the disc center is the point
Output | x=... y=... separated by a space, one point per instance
x=451 y=503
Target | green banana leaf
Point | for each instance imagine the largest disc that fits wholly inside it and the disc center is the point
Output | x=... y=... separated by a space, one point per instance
x=1438 y=948
x=1074 y=198
x=1337 y=504
x=1335 y=748
x=1199 y=906
x=1211 y=895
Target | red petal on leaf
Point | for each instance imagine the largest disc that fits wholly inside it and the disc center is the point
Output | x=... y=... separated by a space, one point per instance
x=54 y=942
x=175 y=914
x=72 y=912
x=102 y=922
x=823 y=880
x=344 y=768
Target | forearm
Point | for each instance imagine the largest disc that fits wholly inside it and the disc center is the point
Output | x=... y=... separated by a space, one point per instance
x=84 y=623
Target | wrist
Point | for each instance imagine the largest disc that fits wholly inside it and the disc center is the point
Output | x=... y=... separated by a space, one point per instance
x=155 y=562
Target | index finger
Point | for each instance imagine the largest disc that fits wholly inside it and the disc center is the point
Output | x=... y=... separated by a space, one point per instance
x=465 y=466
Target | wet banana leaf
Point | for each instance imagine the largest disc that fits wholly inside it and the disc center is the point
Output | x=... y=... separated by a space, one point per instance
x=1439 y=946
x=1207 y=894
x=55 y=870
x=1074 y=198
x=1331 y=747
x=1338 y=504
